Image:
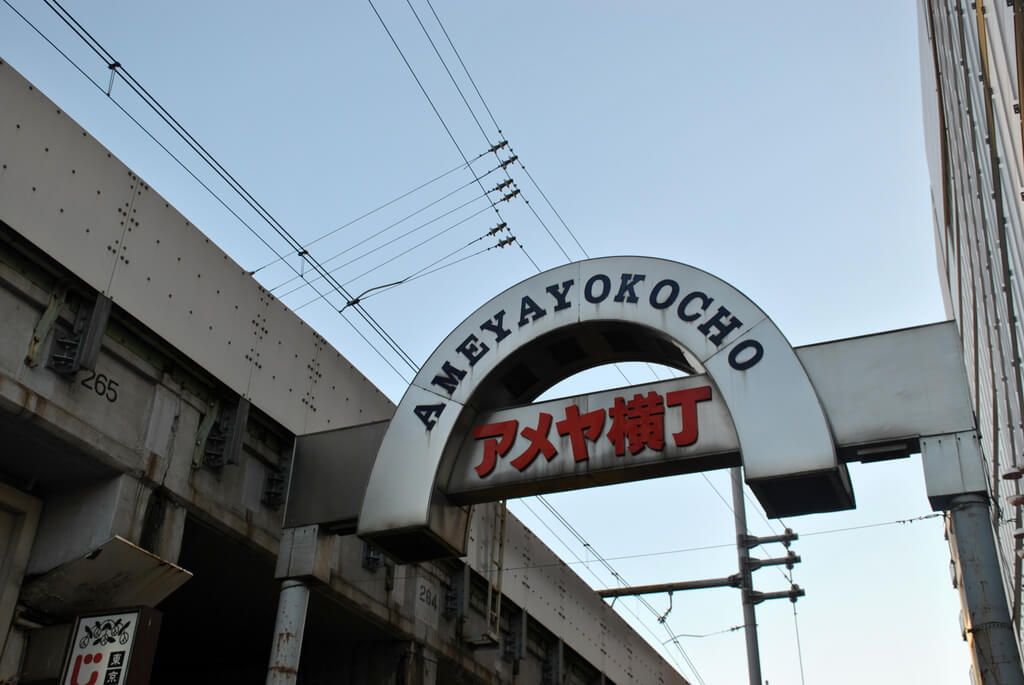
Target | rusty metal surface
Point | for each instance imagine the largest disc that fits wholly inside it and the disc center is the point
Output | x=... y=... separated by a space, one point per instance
x=117 y=573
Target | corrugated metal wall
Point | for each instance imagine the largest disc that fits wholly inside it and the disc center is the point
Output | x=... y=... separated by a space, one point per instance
x=969 y=62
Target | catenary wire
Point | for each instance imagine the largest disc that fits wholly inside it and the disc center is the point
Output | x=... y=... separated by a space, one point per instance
x=437 y=52
x=373 y=211
x=418 y=245
x=494 y=121
x=351 y=261
x=184 y=167
x=437 y=113
x=586 y=565
x=224 y=174
x=417 y=276
x=420 y=273
x=387 y=228
x=476 y=119
x=208 y=158
x=472 y=112
x=799 y=648
x=615 y=574
x=689 y=550
x=345 y=251
x=423 y=90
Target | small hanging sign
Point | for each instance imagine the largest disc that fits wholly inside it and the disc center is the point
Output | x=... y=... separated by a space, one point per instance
x=112 y=648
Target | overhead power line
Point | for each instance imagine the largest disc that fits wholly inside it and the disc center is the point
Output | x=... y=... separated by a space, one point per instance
x=617 y=576
x=437 y=113
x=421 y=226
x=501 y=134
x=377 y=209
x=176 y=127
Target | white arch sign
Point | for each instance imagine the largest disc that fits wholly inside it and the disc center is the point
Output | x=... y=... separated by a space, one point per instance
x=581 y=315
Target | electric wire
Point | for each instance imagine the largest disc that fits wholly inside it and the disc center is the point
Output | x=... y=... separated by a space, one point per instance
x=432 y=271
x=682 y=550
x=225 y=175
x=417 y=274
x=476 y=119
x=472 y=112
x=373 y=211
x=437 y=52
x=799 y=649
x=396 y=256
x=440 y=118
x=184 y=167
x=426 y=95
x=418 y=245
x=618 y=577
x=732 y=511
x=731 y=629
x=345 y=251
x=494 y=121
x=586 y=565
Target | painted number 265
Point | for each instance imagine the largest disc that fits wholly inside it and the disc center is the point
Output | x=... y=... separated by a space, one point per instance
x=102 y=385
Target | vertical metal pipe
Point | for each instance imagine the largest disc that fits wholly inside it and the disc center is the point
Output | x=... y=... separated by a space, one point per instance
x=991 y=636
x=743 y=555
x=288 y=628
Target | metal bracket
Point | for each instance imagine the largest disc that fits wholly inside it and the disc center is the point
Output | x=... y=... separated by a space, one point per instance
x=205 y=426
x=223 y=443
x=81 y=347
x=373 y=558
x=513 y=641
x=45 y=325
x=275 y=484
x=792 y=594
x=788 y=561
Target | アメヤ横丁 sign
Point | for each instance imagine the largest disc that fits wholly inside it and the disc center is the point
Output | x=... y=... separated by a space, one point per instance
x=579 y=316
x=614 y=436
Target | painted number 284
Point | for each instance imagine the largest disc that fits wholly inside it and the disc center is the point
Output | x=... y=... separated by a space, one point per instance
x=427 y=597
x=102 y=385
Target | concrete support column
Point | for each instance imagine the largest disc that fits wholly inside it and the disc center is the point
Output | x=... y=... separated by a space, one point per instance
x=418 y=666
x=990 y=632
x=288 y=629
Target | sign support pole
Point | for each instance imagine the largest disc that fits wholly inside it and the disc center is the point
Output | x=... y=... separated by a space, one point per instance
x=288 y=629
x=994 y=647
x=746 y=581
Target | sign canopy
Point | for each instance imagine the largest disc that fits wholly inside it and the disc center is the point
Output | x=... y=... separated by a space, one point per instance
x=566 y=320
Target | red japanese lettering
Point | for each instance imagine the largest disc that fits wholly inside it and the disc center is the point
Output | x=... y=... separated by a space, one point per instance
x=637 y=424
x=539 y=443
x=687 y=401
x=579 y=428
x=499 y=439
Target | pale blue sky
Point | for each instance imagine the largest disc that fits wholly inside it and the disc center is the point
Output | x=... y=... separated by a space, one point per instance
x=776 y=145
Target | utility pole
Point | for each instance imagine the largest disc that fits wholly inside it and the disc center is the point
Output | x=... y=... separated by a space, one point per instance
x=743 y=579
x=739 y=509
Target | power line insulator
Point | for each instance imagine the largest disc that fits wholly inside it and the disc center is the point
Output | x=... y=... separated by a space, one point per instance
x=505 y=242
x=501 y=186
x=510 y=160
x=499 y=145
x=509 y=196
x=497 y=229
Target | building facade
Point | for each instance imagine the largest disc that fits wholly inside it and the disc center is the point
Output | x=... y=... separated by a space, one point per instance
x=971 y=60
x=152 y=396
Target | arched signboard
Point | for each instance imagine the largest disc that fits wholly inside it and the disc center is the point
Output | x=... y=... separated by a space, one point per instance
x=579 y=316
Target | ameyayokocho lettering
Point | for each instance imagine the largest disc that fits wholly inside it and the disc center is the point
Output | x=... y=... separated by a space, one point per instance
x=714 y=320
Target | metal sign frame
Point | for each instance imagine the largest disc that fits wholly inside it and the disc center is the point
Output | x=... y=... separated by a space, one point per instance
x=579 y=316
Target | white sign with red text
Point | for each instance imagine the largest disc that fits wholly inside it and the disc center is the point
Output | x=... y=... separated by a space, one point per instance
x=606 y=437
x=101 y=649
